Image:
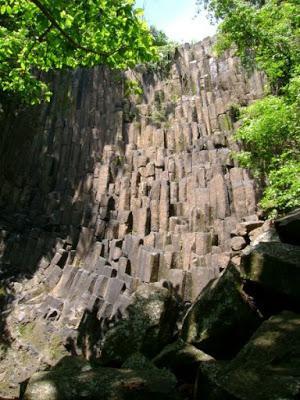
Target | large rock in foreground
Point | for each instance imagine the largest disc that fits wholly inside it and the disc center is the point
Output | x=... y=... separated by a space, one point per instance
x=288 y=228
x=275 y=266
x=182 y=359
x=75 y=379
x=267 y=368
x=149 y=326
x=223 y=318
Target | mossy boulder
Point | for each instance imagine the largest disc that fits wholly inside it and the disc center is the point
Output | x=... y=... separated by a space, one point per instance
x=267 y=368
x=36 y=346
x=138 y=361
x=75 y=379
x=222 y=318
x=207 y=384
x=148 y=327
x=183 y=359
x=275 y=266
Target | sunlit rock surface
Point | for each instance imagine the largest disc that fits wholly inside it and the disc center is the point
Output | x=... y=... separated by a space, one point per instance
x=102 y=192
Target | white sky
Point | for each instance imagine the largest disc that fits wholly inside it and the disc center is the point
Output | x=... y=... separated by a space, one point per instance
x=177 y=18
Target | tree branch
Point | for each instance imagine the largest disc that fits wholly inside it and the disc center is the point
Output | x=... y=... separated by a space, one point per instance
x=44 y=34
x=56 y=25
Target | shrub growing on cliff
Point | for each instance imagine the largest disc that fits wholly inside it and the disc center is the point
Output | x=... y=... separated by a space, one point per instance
x=39 y=35
x=268 y=131
x=265 y=35
x=270 y=137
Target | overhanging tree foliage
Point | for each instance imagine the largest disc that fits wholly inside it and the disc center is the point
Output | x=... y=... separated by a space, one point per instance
x=39 y=35
x=265 y=34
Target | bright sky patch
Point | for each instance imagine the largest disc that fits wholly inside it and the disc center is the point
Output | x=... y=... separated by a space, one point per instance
x=177 y=18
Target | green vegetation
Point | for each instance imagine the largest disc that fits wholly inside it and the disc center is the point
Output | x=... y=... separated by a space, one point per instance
x=41 y=35
x=166 y=53
x=265 y=35
x=132 y=88
x=270 y=132
x=159 y=115
x=161 y=109
x=160 y=38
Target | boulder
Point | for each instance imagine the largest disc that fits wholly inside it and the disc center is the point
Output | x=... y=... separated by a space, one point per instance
x=238 y=243
x=75 y=379
x=33 y=346
x=267 y=368
x=207 y=382
x=183 y=359
x=244 y=228
x=148 y=327
x=222 y=318
x=275 y=266
x=288 y=228
x=266 y=233
x=138 y=361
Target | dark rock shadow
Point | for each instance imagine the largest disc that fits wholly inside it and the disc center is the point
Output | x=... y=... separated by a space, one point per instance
x=49 y=155
x=89 y=373
x=75 y=378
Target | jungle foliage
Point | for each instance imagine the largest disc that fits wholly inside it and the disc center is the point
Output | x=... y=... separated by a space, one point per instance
x=41 y=35
x=266 y=35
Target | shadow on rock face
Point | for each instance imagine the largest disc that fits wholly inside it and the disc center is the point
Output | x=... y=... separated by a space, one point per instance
x=223 y=318
x=74 y=378
x=148 y=325
x=275 y=266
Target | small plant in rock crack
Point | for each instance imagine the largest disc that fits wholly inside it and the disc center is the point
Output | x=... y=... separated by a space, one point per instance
x=133 y=88
x=158 y=116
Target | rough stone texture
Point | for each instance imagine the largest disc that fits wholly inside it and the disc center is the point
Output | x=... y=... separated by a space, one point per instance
x=244 y=228
x=222 y=318
x=100 y=192
x=182 y=359
x=267 y=368
x=275 y=266
x=238 y=243
x=207 y=383
x=74 y=379
x=149 y=326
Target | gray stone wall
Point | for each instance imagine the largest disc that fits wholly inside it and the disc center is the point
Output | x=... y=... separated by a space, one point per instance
x=128 y=189
x=102 y=191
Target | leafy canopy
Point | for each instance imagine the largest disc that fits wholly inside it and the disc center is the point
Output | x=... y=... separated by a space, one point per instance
x=270 y=133
x=39 y=35
x=265 y=35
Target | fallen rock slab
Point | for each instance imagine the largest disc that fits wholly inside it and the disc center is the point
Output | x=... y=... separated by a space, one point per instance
x=182 y=359
x=243 y=228
x=223 y=318
x=148 y=327
x=273 y=265
x=267 y=368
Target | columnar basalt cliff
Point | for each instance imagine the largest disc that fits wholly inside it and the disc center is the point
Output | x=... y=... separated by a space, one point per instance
x=103 y=190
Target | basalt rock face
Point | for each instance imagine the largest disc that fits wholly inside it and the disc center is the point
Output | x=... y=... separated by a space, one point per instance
x=102 y=191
